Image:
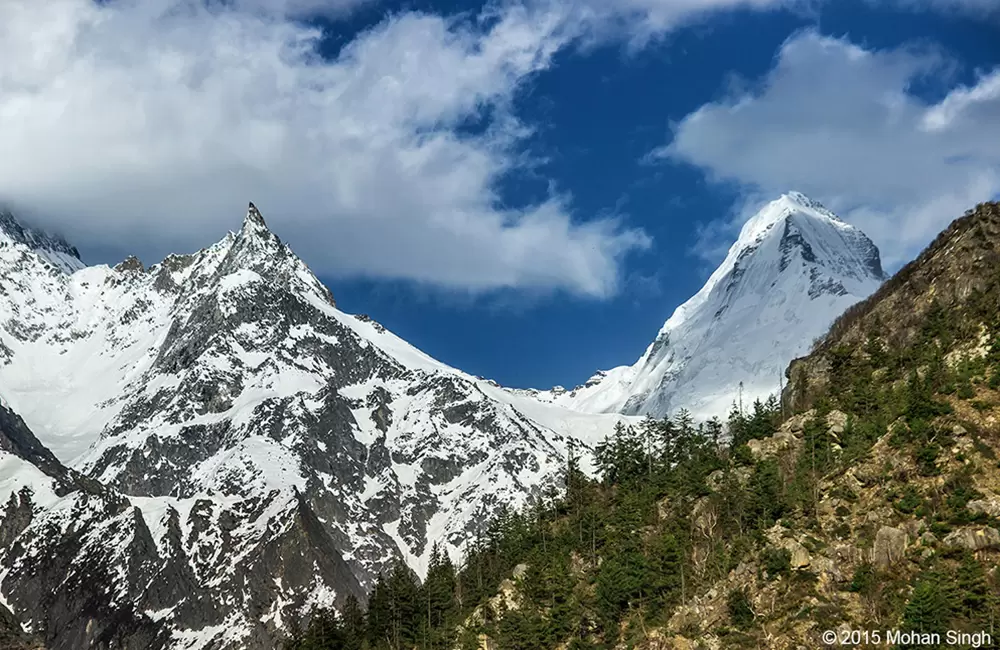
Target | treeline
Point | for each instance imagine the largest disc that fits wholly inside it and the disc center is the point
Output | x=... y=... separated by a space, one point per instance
x=678 y=507
x=591 y=555
x=401 y=613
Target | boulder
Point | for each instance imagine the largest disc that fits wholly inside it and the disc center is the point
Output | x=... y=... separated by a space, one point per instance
x=989 y=507
x=974 y=538
x=800 y=556
x=776 y=444
x=890 y=546
x=836 y=422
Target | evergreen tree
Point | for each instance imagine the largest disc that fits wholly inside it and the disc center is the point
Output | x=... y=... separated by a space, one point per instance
x=404 y=606
x=976 y=600
x=352 y=624
x=927 y=610
x=441 y=607
x=379 y=619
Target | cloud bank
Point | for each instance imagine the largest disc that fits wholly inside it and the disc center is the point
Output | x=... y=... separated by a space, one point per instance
x=146 y=125
x=842 y=124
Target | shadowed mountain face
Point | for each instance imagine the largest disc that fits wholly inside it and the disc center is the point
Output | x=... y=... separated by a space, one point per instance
x=794 y=268
x=230 y=449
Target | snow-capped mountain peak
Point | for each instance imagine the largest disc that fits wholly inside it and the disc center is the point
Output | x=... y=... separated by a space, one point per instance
x=780 y=209
x=255 y=229
x=54 y=250
x=247 y=428
x=794 y=267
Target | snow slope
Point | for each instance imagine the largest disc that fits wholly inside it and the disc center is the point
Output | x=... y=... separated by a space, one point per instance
x=235 y=411
x=794 y=268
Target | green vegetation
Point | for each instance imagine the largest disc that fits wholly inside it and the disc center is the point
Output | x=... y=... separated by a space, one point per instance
x=682 y=510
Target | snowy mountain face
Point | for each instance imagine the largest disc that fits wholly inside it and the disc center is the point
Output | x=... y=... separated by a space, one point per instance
x=230 y=449
x=794 y=268
x=55 y=250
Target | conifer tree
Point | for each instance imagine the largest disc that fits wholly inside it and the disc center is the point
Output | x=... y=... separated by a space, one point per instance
x=927 y=610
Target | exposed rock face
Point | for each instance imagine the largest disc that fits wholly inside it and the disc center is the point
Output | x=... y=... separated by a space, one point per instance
x=890 y=546
x=250 y=445
x=12 y=636
x=53 y=250
x=82 y=567
x=974 y=538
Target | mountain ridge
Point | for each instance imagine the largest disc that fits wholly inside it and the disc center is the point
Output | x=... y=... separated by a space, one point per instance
x=794 y=267
x=239 y=424
x=867 y=510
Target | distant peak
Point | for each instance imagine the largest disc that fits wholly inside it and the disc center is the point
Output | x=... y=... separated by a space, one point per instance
x=254 y=220
x=130 y=263
x=779 y=210
x=53 y=248
x=801 y=201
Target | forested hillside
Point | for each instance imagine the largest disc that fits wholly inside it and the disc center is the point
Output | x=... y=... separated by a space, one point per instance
x=868 y=503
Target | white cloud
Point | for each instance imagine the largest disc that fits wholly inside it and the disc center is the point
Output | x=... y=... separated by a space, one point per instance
x=148 y=125
x=329 y=8
x=145 y=125
x=841 y=124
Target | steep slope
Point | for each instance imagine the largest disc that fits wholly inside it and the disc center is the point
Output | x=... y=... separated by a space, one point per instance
x=872 y=514
x=53 y=250
x=953 y=280
x=82 y=565
x=224 y=391
x=794 y=268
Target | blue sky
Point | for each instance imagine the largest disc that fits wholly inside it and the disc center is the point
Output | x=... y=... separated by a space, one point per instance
x=524 y=190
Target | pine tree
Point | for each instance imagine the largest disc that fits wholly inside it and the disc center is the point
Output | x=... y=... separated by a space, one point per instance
x=379 y=621
x=438 y=596
x=976 y=598
x=927 y=610
x=404 y=606
x=352 y=619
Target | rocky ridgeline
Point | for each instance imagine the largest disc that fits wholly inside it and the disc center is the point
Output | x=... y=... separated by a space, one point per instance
x=237 y=450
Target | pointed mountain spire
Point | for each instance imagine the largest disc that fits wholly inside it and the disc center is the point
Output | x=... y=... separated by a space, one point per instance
x=793 y=269
x=254 y=220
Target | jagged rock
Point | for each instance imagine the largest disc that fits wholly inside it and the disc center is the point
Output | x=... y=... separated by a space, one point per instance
x=974 y=538
x=739 y=474
x=890 y=546
x=989 y=507
x=257 y=429
x=836 y=422
x=130 y=264
x=797 y=423
x=779 y=443
x=800 y=556
x=704 y=517
x=12 y=635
